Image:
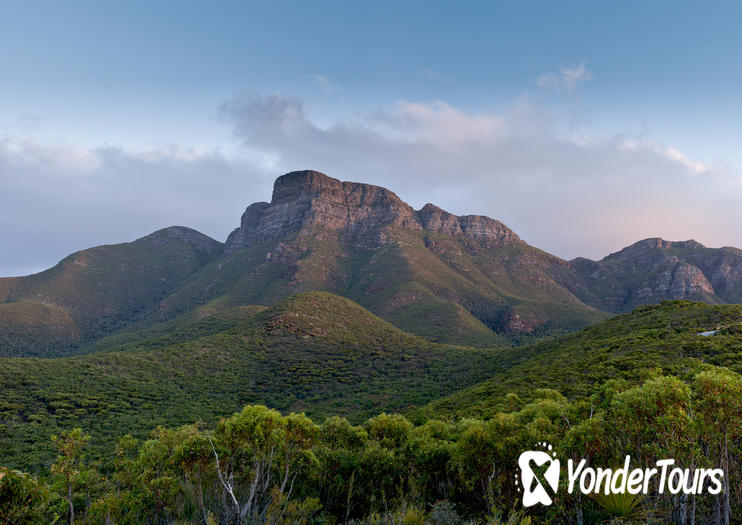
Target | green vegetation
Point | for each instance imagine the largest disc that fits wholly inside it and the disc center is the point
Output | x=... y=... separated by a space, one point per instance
x=138 y=427
x=374 y=373
x=444 y=288
x=315 y=352
x=628 y=347
x=258 y=466
x=448 y=289
x=95 y=292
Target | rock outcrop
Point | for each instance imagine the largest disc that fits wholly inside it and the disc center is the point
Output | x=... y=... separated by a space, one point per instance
x=437 y=220
x=653 y=270
x=303 y=200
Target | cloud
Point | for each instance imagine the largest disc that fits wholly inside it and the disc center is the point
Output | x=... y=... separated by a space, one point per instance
x=572 y=194
x=323 y=83
x=438 y=123
x=568 y=192
x=566 y=78
x=260 y=120
x=56 y=198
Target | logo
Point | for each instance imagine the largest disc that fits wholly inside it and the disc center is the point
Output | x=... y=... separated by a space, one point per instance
x=539 y=475
x=540 y=469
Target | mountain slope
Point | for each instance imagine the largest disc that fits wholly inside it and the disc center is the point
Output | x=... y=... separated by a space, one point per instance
x=653 y=270
x=314 y=352
x=97 y=291
x=626 y=347
x=464 y=280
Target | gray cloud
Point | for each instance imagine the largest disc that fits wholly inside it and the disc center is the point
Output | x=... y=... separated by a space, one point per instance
x=55 y=199
x=566 y=190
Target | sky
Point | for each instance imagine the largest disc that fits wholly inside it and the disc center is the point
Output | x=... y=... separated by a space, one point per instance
x=584 y=126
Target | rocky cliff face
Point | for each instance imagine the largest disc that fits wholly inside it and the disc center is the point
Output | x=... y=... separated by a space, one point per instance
x=306 y=200
x=434 y=219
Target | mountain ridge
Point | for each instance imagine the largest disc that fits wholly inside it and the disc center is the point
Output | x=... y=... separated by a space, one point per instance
x=654 y=269
x=303 y=199
x=467 y=280
x=94 y=292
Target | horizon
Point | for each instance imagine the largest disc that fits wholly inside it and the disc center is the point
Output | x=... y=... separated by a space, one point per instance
x=584 y=128
x=222 y=241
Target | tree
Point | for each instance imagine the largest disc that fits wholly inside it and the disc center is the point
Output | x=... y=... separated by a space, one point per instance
x=431 y=448
x=718 y=395
x=157 y=472
x=389 y=430
x=194 y=457
x=584 y=440
x=339 y=455
x=23 y=500
x=300 y=437
x=655 y=421
x=253 y=439
x=69 y=463
x=485 y=457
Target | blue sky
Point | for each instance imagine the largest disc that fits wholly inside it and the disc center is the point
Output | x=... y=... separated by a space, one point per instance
x=185 y=92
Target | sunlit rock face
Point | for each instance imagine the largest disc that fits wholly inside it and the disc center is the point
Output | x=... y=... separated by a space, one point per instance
x=303 y=200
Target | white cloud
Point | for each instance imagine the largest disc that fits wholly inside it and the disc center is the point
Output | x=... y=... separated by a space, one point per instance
x=323 y=83
x=587 y=196
x=25 y=152
x=568 y=77
x=56 y=198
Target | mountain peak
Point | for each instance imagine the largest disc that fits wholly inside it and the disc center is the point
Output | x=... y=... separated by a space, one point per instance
x=656 y=243
x=184 y=234
x=303 y=200
x=437 y=220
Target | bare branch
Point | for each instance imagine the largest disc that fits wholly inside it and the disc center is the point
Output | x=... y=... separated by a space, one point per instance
x=227 y=484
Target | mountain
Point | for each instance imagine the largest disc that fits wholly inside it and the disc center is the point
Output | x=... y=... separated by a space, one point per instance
x=463 y=280
x=653 y=270
x=314 y=352
x=466 y=280
x=97 y=291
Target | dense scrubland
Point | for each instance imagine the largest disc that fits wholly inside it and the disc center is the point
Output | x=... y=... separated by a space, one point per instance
x=258 y=466
x=644 y=384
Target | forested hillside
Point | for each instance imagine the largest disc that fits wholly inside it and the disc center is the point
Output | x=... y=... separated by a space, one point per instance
x=316 y=352
x=644 y=384
x=627 y=348
x=95 y=292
